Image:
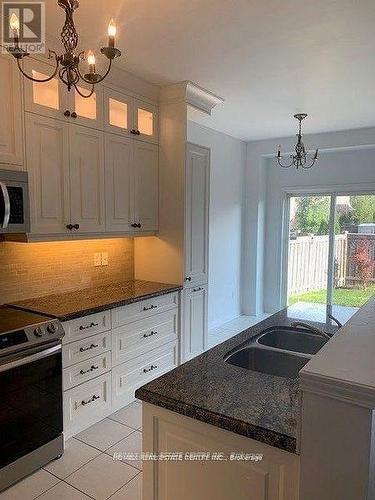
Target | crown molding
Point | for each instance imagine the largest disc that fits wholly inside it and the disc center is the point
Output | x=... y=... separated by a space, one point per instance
x=192 y=94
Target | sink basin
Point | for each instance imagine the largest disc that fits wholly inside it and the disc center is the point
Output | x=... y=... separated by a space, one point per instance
x=292 y=339
x=277 y=363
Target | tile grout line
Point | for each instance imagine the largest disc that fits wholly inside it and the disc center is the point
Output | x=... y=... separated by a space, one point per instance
x=123 y=485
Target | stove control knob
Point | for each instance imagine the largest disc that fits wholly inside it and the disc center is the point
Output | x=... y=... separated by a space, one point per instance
x=38 y=332
x=51 y=328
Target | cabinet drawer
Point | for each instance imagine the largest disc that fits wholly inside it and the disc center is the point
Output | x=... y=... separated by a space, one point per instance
x=76 y=352
x=143 y=309
x=139 y=337
x=86 y=326
x=126 y=378
x=86 y=404
x=86 y=370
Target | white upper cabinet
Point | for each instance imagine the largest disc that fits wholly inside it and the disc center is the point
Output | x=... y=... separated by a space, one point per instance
x=146 y=121
x=196 y=214
x=87 y=195
x=48 y=167
x=118 y=112
x=48 y=98
x=146 y=186
x=119 y=183
x=11 y=130
x=86 y=111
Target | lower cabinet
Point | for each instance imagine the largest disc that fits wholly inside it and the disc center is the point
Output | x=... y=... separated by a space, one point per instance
x=108 y=355
x=194 y=322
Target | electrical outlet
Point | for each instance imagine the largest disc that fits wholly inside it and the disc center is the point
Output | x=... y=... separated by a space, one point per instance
x=104 y=258
x=97 y=259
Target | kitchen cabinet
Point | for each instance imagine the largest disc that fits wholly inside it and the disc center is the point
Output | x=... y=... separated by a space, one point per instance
x=53 y=100
x=126 y=115
x=11 y=130
x=196 y=214
x=47 y=145
x=194 y=322
x=87 y=195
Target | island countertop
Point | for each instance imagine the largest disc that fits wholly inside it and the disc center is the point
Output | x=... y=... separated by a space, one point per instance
x=75 y=304
x=256 y=405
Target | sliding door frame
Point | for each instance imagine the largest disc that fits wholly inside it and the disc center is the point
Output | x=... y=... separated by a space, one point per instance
x=333 y=191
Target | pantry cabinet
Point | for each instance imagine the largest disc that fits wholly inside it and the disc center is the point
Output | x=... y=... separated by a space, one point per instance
x=11 y=130
x=194 y=322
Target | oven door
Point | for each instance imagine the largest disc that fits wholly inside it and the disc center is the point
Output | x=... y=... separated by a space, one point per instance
x=31 y=402
x=14 y=207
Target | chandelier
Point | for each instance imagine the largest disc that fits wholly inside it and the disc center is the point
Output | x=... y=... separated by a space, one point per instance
x=67 y=64
x=300 y=159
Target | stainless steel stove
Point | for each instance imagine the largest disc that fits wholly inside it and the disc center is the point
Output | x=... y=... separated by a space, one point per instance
x=31 y=415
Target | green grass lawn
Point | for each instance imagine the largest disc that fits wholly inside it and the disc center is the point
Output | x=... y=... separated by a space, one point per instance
x=350 y=297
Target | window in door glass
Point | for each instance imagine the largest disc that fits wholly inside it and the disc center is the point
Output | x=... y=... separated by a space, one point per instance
x=118 y=113
x=85 y=107
x=145 y=122
x=47 y=93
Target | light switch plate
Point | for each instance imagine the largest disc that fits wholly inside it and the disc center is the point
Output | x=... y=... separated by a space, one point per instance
x=97 y=259
x=104 y=258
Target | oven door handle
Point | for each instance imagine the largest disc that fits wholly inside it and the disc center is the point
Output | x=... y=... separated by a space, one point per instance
x=5 y=193
x=29 y=359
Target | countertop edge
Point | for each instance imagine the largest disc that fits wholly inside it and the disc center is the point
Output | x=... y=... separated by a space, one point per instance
x=266 y=436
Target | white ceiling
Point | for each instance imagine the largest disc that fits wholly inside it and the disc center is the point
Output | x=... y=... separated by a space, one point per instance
x=267 y=58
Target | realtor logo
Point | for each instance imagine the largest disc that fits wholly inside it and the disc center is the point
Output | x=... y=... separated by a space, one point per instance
x=23 y=24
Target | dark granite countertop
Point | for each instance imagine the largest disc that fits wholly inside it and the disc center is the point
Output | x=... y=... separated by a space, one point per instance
x=256 y=405
x=70 y=305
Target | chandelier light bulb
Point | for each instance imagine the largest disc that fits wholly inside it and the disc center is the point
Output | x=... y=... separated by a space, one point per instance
x=91 y=58
x=112 y=28
x=14 y=24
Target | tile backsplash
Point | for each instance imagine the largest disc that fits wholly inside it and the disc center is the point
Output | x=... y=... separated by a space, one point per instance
x=37 y=269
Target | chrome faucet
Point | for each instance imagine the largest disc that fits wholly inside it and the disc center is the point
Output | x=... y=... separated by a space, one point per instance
x=338 y=323
x=311 y=328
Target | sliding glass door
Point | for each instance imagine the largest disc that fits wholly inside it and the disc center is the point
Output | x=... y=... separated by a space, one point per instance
x=331 y=251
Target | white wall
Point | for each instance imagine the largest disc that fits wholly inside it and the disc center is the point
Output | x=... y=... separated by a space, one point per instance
x=346 y=158
x=228 y=157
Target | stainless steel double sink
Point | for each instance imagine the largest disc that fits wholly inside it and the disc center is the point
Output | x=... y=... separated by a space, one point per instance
x=279 y=350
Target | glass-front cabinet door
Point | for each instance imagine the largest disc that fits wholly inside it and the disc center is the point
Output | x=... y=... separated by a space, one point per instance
x=146 y=121
x=118 y=110
x=47 y=98
x=86 y=111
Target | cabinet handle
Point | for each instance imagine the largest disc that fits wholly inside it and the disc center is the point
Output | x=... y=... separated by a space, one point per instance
x=197 y=289
x=149 y=308
x=188 y=278
x=67 y=113
x=133 y=131
x=146 y=335
x=69 y=226
x=82 y=372
x=91 y=325
x=93 y=398
x=74 y=114
x=152 y=367
x=76 y=226
x=138 y=132
x=134 y=225
x=92 y=346
x=139 y=224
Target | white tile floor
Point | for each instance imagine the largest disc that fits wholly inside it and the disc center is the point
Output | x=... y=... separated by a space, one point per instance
x=228 y=330
x=87 y=470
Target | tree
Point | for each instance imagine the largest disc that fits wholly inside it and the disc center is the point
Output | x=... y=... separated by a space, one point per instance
x=364 y=262
x=363 y=210
x=312 y=214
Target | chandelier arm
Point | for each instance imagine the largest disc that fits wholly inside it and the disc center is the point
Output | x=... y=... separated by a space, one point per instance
x=49 y=78
x=311 y=164
x=100 y=79
x=285 y=166
x=81 y=94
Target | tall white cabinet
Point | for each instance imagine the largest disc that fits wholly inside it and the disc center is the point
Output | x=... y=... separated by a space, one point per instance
x=195 y=293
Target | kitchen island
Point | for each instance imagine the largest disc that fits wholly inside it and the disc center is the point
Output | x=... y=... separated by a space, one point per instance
x=210 y=406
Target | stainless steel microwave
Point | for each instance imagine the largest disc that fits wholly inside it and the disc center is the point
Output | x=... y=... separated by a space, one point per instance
x=14 y=202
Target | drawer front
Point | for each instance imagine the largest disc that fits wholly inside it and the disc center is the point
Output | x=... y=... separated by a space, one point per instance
x=86 y=404
x=85 y=349
x=86 y=370
x=143 y=309
x=140 y=337
x=126 y=378
x=86 y=326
